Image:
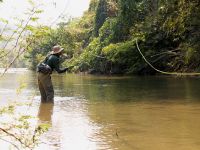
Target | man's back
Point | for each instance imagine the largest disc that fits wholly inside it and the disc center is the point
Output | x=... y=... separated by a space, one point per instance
x=54 y=62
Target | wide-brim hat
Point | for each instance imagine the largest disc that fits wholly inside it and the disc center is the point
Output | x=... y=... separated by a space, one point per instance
x=57 y=49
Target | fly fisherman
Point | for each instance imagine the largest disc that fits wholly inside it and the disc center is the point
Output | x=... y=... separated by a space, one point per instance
x=44 y=69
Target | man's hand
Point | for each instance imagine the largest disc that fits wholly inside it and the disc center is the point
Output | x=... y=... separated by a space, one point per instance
x=64 y=56
x=68 y=68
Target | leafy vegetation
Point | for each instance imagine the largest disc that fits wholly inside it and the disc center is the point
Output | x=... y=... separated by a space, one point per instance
x=103 y=40
x=19 y=129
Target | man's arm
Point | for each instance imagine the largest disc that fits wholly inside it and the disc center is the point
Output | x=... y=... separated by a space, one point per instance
x=57 y=67
x=63 y=58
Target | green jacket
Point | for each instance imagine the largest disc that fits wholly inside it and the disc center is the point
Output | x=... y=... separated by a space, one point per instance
x=54 y=62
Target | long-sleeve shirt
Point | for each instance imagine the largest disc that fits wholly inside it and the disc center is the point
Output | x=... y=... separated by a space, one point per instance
x=54 y=62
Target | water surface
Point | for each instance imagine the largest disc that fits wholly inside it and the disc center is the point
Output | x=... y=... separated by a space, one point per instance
x=113 y=113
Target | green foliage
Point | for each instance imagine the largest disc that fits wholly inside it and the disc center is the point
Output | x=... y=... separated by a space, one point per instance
x=44 y=39
x=73 y=36
x=161 y=25
x=101 y=15
x=19 y=128
x=3 y=20
x=88 y=58
x=93 y=5
x=129 y=13
x=13 y=37
x=106 y=31
x=9 y=109
x=124 y=56
x=42 y=128
x=104 y=37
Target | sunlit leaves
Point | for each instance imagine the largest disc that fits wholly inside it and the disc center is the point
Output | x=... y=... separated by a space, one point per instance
x=34 y=18
x=43 y=128
x=39 y=11
x=4 y=20
x=31 y=2
x=8 y=109
x=21 y=128
x=20 y=88
x=30 y=28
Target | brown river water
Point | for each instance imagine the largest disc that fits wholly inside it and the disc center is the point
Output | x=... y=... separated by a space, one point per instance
x=112 y=113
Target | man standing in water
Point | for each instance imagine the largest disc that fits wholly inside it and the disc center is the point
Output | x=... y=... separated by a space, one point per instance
x=44 y=69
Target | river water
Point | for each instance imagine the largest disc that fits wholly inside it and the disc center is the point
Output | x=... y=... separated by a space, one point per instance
x=113 y=113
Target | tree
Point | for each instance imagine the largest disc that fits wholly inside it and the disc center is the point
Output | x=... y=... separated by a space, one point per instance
x=101 y=15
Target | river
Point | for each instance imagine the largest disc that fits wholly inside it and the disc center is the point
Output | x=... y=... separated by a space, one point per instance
x=113 y=113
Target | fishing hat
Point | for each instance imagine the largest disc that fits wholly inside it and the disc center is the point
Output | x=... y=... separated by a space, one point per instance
x=57 y=49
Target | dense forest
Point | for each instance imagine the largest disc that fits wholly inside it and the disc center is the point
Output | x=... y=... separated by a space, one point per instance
x=103 y=40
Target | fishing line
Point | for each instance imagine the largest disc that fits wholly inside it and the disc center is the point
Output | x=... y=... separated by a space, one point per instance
x=165 y=72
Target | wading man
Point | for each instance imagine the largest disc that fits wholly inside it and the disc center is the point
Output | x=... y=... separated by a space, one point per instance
x=44 y=69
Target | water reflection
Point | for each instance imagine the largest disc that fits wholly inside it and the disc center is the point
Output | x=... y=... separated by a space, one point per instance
x=45 y=112
x=48 y=140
